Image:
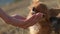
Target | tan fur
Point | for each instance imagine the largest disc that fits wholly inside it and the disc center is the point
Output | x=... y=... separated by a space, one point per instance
x=44 y=25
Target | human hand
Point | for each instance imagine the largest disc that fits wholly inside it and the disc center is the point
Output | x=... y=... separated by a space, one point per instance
x=34 y=19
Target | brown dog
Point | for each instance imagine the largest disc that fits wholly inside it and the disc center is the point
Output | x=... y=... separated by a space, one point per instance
x=44 y=25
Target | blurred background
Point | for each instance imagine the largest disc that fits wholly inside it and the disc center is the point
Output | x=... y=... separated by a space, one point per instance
x=20 y=7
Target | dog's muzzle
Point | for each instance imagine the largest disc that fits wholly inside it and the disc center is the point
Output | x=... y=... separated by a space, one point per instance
x=36 y=11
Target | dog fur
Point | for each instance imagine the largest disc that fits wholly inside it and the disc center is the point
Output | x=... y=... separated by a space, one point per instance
x=44 y=25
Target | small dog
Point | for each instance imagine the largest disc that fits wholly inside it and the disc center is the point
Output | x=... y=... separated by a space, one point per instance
x=44 y=25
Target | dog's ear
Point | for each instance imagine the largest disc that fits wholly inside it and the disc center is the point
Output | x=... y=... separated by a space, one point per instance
x=54 y=12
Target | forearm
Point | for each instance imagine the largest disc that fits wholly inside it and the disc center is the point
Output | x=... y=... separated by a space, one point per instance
x=27 y=21
x=15 y=22
x=10 y=20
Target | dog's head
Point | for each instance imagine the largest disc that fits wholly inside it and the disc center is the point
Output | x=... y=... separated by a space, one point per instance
x=42 y=8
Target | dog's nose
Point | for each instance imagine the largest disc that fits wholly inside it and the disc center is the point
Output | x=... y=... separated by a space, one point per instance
x=33 y=9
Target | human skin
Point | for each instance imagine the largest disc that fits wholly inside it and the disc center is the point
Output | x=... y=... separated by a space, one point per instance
x=20 y=21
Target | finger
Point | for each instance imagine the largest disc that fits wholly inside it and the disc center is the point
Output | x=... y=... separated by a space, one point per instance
x=31 y=18
x=38 y=17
